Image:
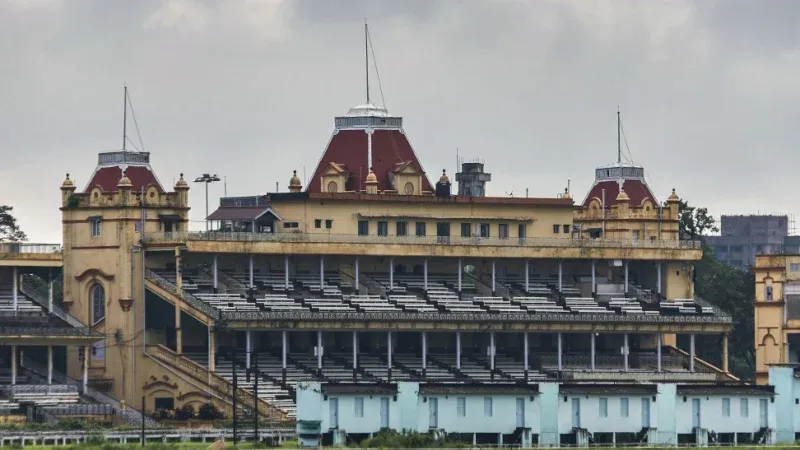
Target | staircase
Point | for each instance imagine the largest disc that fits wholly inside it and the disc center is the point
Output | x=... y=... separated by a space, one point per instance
x=32 y=288
x=192 y=305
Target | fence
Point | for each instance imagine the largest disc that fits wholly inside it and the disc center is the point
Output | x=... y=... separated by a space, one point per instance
x=25 y=247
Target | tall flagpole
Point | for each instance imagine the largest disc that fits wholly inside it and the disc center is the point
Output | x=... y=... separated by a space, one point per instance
x=619 y=141
x=366 y=55
x=125 y=117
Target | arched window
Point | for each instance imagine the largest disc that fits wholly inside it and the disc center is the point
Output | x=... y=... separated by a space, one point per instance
x=98 y=296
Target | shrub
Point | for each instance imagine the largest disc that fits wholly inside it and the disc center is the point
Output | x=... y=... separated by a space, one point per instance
x=208 y=411
x=185 y=412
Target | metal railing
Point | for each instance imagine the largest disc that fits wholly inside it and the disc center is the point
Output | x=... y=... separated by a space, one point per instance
x=40 y=296
x=541 y=242
x=195 y=302
x=49 y=331
x=129 y=415
x=26 y=247
x=39 y=389
x=79 y=409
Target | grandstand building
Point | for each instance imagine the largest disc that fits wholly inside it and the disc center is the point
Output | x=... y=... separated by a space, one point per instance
x=372 y=278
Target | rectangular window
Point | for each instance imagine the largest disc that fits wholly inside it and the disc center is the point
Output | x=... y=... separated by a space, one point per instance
x=329 y=224
x=317 y=223
x=566 y=228
x=461 y=406
x=487 y=406
x=402 y=228
x=165 y=403
x=603 y=407
x=502 y=231
x=484 y=230
x=383 y=228
x=466 y=230
x=744 y=408
x=95 y=224
x=137 y=227
x=522 y=231
x=556 y=228
x=623 y=407
x=359 y=404
x=726 y=407
x=768 y=293
x=794 y=267
x=290 y=224
x=420 y=229
x=363 y=228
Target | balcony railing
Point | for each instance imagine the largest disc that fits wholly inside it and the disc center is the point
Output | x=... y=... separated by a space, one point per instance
x=26 y=247
x=540 y=242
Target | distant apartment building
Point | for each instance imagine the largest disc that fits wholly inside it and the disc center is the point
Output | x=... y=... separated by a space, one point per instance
x=743 y=237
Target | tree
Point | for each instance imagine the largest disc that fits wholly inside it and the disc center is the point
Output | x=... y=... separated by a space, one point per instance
x=9 y=229
x=694 y=222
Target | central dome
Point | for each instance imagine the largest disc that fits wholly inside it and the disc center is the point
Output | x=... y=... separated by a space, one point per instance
x=367 y=110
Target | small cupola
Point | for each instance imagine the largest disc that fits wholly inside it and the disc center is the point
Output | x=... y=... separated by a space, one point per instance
x=124 y=182
x=443 y=186
x=181 y=184
x=622 y=197
x=68 y=184
x=371 y=182
x=295 y=185
x=673 y=198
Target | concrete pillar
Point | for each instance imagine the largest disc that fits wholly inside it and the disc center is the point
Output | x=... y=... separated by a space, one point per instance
x=560 y=348
x=527 y=276
x=15 y=288
x=50 y=296
x=13 y=365
x=391 y=273
x=319 y=350
x=593 y=350
x=625 y=351
x=658 y=278
x=389 y=349
x=248 y=343
x=49 y=364
x=321 y=272
x=494 y=275
x=424 y=350
x=725 y=352
x=212 y=349
x=626 y=277
x=252 y=274
x=491 y=350
x=560 y=274
x=85 y=382
x=458 y=350
x=658 y=351
x=355 y=272
x=525 y=350
x=355 y=349
x=459 y=275
x=214 y=272
x=286 y=272
x=179 y=291
x=594 y=276
x=284 y=348
x=425 y=274
x=691 y=352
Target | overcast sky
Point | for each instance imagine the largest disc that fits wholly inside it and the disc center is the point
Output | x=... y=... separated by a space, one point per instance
x=248 y=89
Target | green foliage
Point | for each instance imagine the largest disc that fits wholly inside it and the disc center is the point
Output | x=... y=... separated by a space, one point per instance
x=9 y=229
x=208 y=411
x=387 y=438
x=694 y=222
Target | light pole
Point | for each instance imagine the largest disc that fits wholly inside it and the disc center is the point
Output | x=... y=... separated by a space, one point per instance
x=206 y=178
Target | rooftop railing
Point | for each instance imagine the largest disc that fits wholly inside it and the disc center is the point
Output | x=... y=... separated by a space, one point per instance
x=26 y=247
x=538 y=242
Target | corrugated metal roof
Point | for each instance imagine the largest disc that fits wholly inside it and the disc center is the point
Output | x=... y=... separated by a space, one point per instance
x=240 y=213
x=378 y=389
x=500 y=389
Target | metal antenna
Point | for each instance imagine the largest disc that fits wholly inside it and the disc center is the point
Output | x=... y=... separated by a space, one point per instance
x=125 y=116
x=366 y=54
x=619 y=141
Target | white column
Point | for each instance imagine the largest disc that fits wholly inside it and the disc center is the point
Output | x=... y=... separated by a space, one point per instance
x=391 y=273
x=284 y=348
x=214 y=274
x=626 y=277
x=459 y=275
x=491 y=350
x=424 y=350
x=252 y=285
x=658 y=351
x=86 y=351
x=625 y=351
x=560 y=274
x=594 y=276
x=13 y=365
x=358 y=285
x=49 y=364
x=525 y=349
x=425 y=274
x=494 y=275
x=560 y=348
x=211 y=353
x=389 y=349
x=527 y=276
x=248 y=345
x=691 y=352
x=593 y=350
x=658 y=278
x=458 y=350
x=319 y=350
x=321 y=272
x=286 y=272
x=50 y=296
x=355 y=349
x=15 y=288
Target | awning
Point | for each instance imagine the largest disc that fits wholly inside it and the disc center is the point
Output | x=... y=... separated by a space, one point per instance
x=377 y=389
x=243 y=213
x=498 y=389
x=447 y=218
